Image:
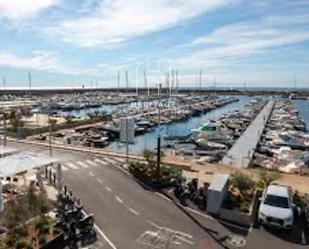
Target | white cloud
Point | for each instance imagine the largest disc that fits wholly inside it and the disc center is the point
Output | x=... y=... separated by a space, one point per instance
x=43 y=61
x=16 y=9
x=244 y=39
x=119 y=20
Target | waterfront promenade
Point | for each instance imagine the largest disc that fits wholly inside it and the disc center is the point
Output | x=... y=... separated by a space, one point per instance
x=242 y=151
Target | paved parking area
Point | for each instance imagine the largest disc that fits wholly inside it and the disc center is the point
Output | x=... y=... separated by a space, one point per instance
x=266 y=237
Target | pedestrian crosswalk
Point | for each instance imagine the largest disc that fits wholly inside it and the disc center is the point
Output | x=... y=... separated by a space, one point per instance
x=91 y=163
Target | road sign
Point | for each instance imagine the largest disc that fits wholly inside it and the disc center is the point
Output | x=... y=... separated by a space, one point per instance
x=127 y=130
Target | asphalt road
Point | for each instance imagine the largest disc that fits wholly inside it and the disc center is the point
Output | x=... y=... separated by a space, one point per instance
x=130 y=216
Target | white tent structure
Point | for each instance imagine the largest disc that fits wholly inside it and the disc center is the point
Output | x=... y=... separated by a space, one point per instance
x=23 y=161
x=5 y=151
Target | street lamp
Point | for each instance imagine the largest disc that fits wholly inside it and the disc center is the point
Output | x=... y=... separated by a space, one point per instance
x=159 y=138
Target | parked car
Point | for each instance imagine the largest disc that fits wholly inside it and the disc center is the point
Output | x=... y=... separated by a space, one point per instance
x=276 y=208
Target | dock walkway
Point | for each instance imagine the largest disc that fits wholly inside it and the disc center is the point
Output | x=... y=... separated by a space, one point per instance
x=242 y=151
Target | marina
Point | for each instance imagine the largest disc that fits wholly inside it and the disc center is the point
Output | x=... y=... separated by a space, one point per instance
x=284 y=146
x=241 y=152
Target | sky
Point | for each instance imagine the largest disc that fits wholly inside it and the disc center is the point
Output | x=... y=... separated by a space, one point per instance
x=66 y=43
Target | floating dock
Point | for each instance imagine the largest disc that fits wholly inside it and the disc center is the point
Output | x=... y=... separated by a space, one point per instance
x=241 y=152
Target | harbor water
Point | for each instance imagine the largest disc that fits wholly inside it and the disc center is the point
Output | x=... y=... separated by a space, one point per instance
x=149 y=140
x=303 y=108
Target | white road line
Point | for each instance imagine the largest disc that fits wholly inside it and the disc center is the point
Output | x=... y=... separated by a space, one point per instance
x=110 y=160
x=108 y=189
x=64 y=168
x=163 y=196
x=153 y=224
x=199 y=213
x=119 y=199
x=82 y=164
x=105 y=237
x=120 y=160
x=303 y=238
x=72 y=165
x=134 y=211
x=91 y=173
x=102 y=234
x=185 y=240
x=101 y=161
x=91 y=163
x=99 y=180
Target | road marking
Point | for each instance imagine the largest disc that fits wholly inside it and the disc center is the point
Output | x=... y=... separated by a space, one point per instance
x=91 y=173
x=120 y=160
x=119 y=200
x=96 y=227
x=64 y=168
x=134 y=211
x=199 y=213
x=303 y=238
x=108 y=189
x=185 y=240
x=153 y=224
x=91 y=163
x=101 y=161
x=72 y=165
x=82 y=164
x=110 y=160
x=163 y=196
x=99 y=180
x=105 y=237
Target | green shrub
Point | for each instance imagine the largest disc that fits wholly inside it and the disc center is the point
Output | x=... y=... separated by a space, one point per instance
x=243 y=183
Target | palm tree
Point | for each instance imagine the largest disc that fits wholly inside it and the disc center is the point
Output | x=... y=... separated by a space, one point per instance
x=243 y=183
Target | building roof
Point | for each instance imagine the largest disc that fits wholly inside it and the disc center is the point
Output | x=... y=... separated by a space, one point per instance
x=219 y=181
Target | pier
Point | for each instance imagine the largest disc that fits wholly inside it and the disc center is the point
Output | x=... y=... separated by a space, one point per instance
x=242 y=151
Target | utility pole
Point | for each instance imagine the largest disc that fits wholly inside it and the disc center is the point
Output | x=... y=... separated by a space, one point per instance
x=172 y=81
x=30 y=83
x=200 y=79
x=118 y=81
x=136 y=87
x=177 y=81
x=3 y=83
x=159 y=139
x=127 y=142
x=4 y=130
x=50 y=140
x=127 y=80
x=146 y=83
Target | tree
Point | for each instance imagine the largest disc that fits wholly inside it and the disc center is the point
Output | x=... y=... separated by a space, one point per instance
x=243 y=183
x=69 y=119
x=52 y=122
x=15 y=120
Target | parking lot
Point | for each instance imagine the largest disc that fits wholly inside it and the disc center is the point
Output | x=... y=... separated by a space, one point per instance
x=265 y=237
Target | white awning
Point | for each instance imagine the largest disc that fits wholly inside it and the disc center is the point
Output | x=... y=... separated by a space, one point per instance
x=17 y=163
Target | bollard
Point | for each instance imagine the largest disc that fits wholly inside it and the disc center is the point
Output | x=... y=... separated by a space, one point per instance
x=50 y=176
x=46 y=171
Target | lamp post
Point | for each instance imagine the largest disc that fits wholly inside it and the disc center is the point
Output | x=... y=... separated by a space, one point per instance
x=159 y=138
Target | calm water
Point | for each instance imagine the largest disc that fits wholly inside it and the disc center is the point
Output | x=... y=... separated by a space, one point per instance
x=149 y=140
x=303 y=108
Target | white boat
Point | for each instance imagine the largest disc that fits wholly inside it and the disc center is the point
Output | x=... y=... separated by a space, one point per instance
x=214 y=132
x=202 y=142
